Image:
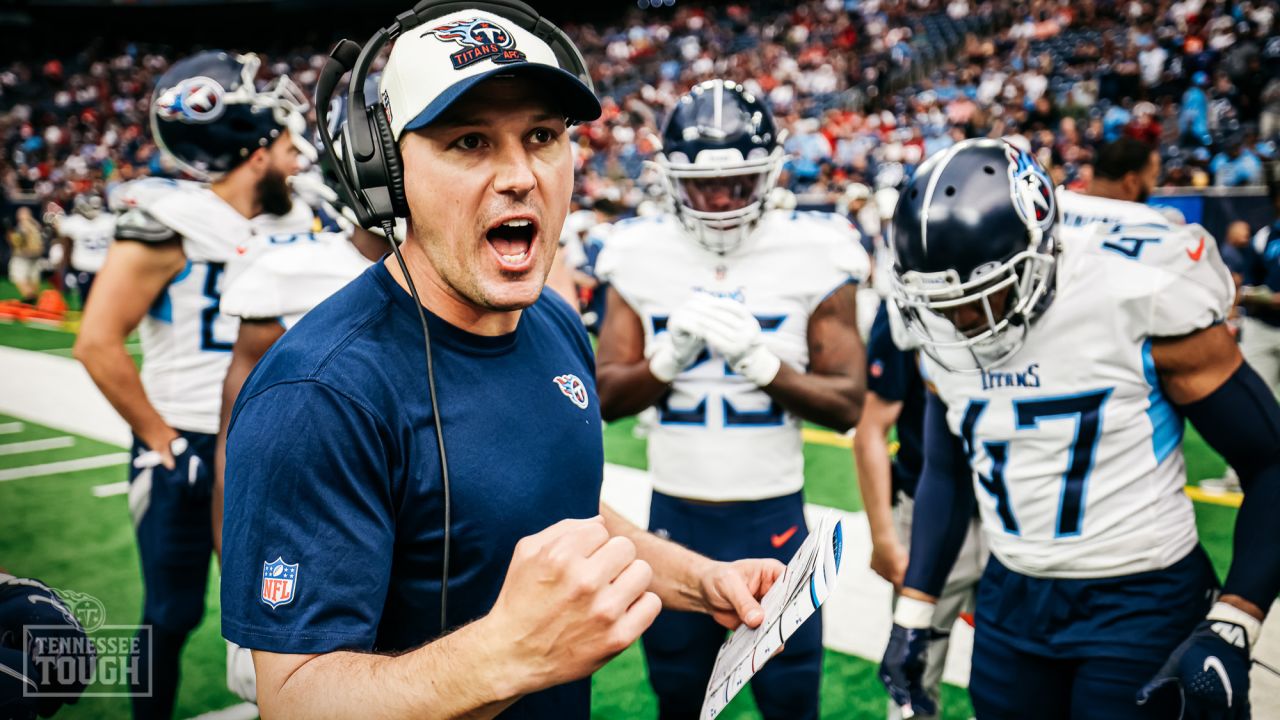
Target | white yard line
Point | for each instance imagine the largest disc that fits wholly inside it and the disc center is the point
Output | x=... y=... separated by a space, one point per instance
x=32 y=325
x=10 y=428
x=28 y=446
x=65 y=466
x=243 y=711
x=110 y=489
x=57 y=392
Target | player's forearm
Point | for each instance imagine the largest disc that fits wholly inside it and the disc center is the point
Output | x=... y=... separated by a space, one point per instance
x=1240 y=419
x=938 y=526
x=466 y=674
x=875 y=480
x=831 y=400
x=677 y=571
x=1253 y=580
x=944 y=505
x=113 y=371
x=627 y=389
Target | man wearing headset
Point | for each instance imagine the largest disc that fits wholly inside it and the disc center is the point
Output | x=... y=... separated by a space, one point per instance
x=342 y=518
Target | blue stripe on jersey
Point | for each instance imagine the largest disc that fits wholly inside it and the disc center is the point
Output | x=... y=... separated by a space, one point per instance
x=1166 y=423
x=162 y=308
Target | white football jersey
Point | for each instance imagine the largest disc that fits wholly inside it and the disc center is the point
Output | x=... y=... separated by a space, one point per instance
x=186 y=339
x=284 y=276
x=1076 y=452
x=718 y=437
x=89 y=239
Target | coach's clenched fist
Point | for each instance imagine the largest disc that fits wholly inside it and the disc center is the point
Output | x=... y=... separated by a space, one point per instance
x=573 y=598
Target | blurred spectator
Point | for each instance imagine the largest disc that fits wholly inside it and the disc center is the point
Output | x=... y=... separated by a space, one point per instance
x=1193 y=121
x=26 y=241
x=1234 y=247
x=1236 y=166
x=866 y=90
x=1269 y=122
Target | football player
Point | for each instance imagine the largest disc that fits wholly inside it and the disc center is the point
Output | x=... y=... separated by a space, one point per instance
x=85 y=235
x=736 y=324
x=895 y=401
x=163 y=276
x=1064 y=360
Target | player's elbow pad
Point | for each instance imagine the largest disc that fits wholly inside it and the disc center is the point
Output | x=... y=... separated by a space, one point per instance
x=1241 y=420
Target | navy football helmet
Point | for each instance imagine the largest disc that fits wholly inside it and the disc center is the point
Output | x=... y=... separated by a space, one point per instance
x=721 y=155
x=208 y=115
x=974 y=230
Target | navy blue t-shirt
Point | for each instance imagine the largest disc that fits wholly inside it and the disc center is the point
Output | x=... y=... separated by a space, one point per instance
x=893 y=375
x=334 y=521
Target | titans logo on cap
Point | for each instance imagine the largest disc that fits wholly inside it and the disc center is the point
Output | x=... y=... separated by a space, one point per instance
x=480 y=39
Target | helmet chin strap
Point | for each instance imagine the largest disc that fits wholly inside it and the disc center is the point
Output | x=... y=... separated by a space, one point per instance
x=721 y=241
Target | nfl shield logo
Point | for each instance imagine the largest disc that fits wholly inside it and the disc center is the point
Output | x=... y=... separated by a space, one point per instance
x=278 y=581
x=573 y=389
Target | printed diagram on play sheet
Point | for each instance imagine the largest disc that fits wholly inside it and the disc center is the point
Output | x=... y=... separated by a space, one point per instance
x=792 y=600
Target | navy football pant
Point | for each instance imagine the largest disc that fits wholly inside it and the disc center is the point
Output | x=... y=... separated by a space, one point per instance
x=171 y=517
x=1054 y=649
x=681 y=647
x=82 y=281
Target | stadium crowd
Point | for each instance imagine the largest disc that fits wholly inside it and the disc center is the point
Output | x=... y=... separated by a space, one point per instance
x=866 y=90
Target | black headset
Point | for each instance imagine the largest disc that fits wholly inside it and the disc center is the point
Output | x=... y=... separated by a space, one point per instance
x=369 y=171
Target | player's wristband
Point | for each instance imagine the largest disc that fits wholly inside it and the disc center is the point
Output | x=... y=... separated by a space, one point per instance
x=759 y=365
x=913 y=614
x=1224 y=612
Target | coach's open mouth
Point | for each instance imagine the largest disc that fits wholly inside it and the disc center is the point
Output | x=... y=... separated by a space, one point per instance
x=512 y=240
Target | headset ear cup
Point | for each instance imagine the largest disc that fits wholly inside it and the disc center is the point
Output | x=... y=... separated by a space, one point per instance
x=391 y=159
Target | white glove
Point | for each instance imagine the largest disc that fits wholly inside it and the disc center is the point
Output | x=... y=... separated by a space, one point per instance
x=731 y=330
x=241 y=677
x=673 y=351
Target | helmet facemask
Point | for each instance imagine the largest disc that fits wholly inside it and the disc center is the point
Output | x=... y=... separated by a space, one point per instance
x=1026 y=283
x=720 y=195
x=88 y=206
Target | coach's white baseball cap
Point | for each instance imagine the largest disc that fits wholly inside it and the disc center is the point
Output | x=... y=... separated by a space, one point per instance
x=437 y=62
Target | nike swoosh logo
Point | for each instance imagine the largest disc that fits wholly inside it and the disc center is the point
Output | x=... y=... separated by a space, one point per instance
x=1213 y=663
x=1195 y=256
x=781 y=539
